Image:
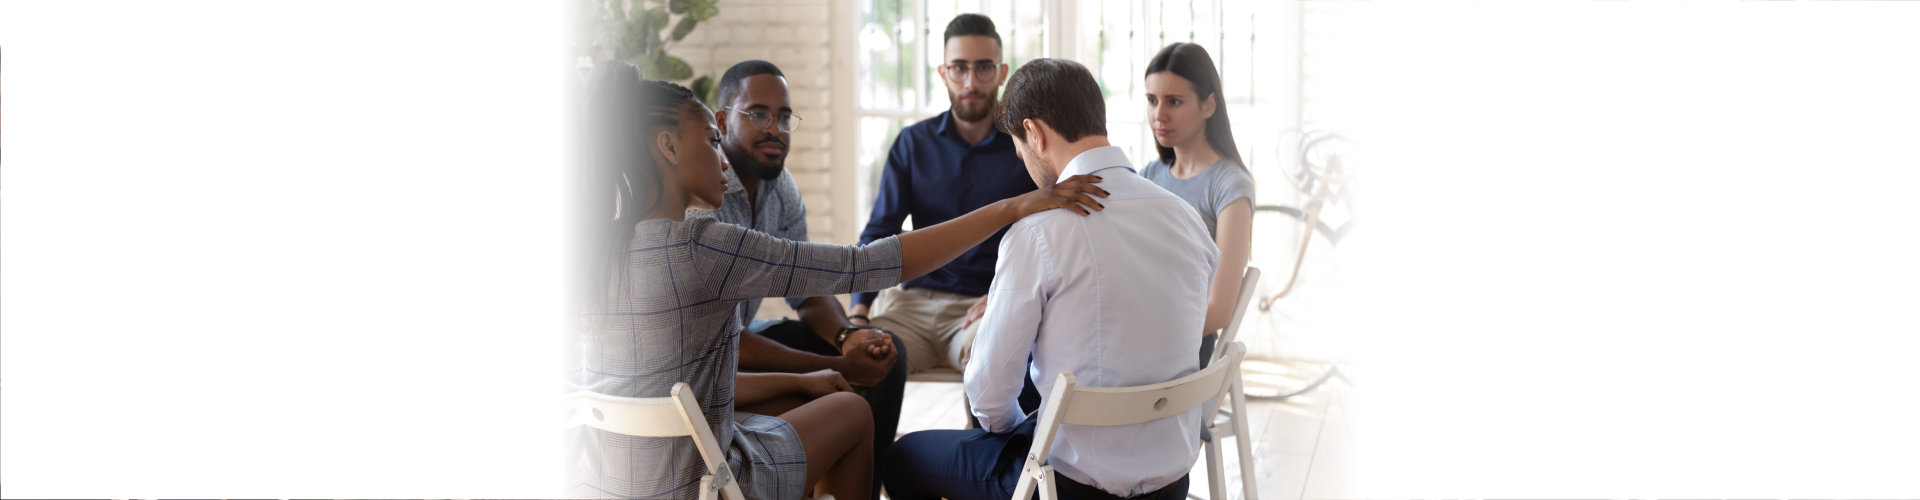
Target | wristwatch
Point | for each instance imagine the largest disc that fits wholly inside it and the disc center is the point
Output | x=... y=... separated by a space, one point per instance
x=840 y=339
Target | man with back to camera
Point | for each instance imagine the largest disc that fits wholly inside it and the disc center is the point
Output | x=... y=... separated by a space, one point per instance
x=756 y=121
x=1105 y=297
x=938 y=169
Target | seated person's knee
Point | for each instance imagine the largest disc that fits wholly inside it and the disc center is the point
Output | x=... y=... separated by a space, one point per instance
x=850 y=407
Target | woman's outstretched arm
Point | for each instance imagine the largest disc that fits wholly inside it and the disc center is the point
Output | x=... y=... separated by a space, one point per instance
x=755 y=265
x=926 y=249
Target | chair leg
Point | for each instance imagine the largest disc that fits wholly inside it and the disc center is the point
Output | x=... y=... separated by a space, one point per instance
x=1216 y=471
x=1029 y=476
x=1048 y=490
x=1241 y=439
x=706 y=487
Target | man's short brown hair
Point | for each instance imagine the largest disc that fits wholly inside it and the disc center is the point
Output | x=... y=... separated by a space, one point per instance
x=1059 y=92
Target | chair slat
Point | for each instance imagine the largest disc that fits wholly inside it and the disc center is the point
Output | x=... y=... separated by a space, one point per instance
x=1232 y=332
x=675 y=415
x=1108 y=406
x=646 y=417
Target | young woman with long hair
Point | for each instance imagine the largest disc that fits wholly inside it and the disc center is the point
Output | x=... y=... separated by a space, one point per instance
x=1200 y=162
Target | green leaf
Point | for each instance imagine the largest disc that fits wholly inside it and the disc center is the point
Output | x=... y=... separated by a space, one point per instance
x=704 y=89
x=678 y=6
x=686 y=26
x=637 y=38
x=643 y=33
x=703 y=10
x=606 y=37
x=669 y=68
x=649 y=64
x=632 y=44
x=657 y=17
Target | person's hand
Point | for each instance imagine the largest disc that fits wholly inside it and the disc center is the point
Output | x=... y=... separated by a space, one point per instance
x=1073 y=193
x=975 y=311
x=878 y=342
x=867 y=356
x=823 y=382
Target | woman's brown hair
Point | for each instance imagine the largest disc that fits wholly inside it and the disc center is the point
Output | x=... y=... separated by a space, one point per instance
x=1192 y=62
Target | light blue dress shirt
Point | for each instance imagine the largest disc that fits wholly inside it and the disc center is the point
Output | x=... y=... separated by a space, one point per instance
x=1114 y=298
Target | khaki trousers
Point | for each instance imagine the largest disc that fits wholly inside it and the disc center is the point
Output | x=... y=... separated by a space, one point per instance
x=929 y=322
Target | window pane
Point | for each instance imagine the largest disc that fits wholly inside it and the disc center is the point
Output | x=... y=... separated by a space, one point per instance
x=876 y=139
x=886 y=47
x=939 y=13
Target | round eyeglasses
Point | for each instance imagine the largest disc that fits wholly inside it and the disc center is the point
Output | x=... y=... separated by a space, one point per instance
x=982 y=71
x=760 y=118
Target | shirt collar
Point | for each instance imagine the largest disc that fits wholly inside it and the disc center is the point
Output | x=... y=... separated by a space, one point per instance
x=1097 y=159
x=946 y=128
x=946 y=123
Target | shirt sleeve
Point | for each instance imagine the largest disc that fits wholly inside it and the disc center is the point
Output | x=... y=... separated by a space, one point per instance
x=795 y=222
x=1023 y=281
x=1231 y=186
x=895 y=199
x=756 y=265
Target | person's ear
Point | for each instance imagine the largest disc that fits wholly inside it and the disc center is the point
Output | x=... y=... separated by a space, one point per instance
x=663 y=142
x=1005 y=71
x=1208 y=105
x=720 y=118
x=1036 y=137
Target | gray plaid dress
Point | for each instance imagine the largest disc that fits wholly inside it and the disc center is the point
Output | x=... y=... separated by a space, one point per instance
x=673 y=320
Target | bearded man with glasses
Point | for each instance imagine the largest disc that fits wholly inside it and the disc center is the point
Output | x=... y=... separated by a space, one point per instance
x=939 y=169
x=756 y=123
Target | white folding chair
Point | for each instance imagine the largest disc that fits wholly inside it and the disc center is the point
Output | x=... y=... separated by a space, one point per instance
x=1110 y=406
x=1229 y=423
x=673 y=416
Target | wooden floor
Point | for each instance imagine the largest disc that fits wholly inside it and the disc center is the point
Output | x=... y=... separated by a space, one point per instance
x=1301 y=446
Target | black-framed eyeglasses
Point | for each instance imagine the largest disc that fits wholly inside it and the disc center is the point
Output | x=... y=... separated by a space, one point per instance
x=982 y=71
x=760 y=117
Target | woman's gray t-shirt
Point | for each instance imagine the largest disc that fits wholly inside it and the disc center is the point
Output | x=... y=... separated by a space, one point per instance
x=1210 y=192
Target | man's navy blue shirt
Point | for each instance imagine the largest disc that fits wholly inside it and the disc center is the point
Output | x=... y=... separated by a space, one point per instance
x=935 y=176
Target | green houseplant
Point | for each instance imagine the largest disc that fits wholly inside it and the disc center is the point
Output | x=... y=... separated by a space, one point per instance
x=640 y=31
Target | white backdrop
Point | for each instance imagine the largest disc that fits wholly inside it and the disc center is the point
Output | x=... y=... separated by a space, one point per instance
x=1606 y=249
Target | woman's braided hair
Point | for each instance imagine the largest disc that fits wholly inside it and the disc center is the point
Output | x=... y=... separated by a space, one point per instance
x=623 y=112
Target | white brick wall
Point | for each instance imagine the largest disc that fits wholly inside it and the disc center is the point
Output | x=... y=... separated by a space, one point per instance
x=794 y=35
